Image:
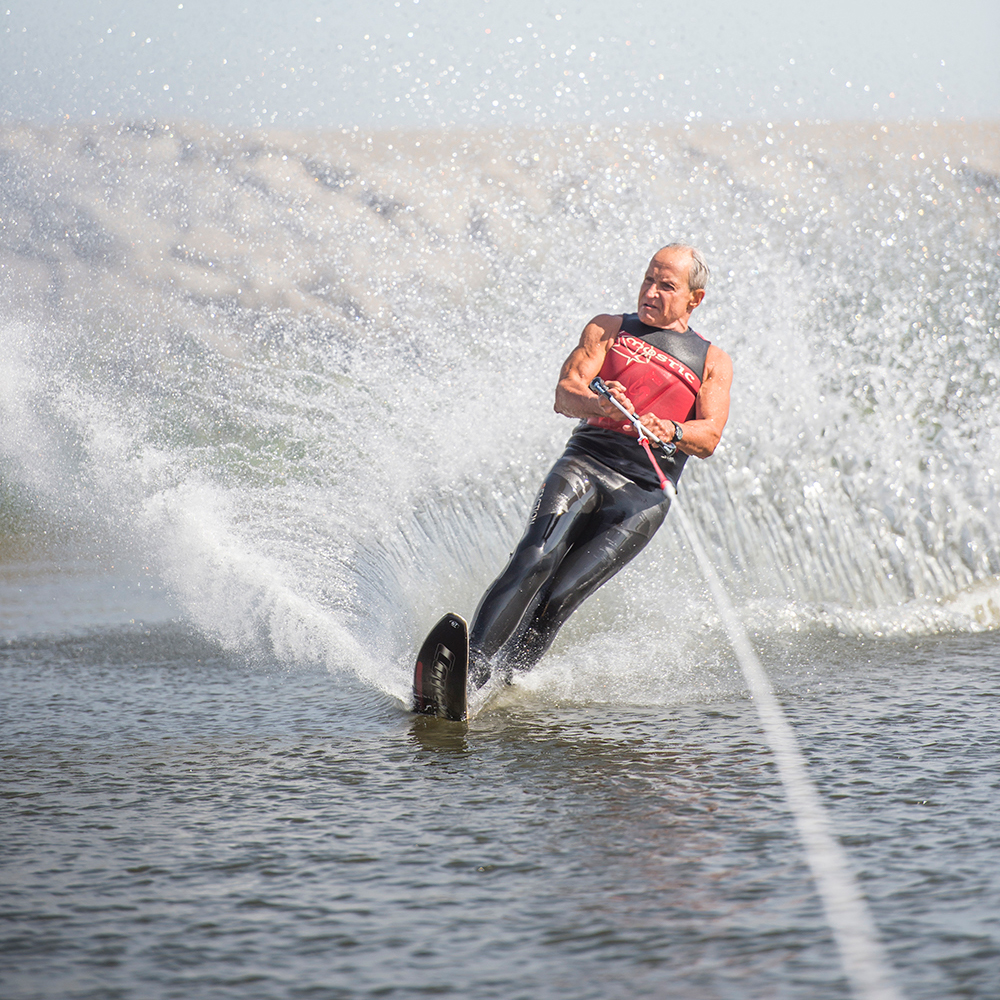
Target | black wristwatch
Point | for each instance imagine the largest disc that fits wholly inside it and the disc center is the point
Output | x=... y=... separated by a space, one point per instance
x=678 y=431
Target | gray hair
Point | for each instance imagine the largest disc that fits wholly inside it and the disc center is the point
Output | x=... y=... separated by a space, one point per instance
x=699 y=273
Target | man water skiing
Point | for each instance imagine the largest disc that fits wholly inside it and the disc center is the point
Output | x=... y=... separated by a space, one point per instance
x=601 y=502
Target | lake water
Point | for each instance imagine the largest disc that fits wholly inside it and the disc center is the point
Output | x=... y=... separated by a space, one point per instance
x=177 y=821
x=272 y=402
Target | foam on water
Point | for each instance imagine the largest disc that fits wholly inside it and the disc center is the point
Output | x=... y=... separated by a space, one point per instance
x=308 y=377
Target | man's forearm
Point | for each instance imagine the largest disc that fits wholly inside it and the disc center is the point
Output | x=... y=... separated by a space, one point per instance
x=575 y=400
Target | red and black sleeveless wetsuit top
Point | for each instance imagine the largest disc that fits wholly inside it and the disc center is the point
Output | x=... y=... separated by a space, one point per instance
x=662 y=371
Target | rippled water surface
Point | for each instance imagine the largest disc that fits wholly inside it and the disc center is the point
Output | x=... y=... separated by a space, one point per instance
x=272 y=402
x=179 y=822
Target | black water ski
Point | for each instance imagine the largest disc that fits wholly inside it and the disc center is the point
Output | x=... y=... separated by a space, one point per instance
x=441 y=676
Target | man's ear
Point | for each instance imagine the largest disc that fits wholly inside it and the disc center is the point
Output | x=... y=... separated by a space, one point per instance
x=696 y=296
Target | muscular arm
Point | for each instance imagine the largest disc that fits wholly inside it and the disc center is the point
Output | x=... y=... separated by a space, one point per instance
x=702 y=434
x=573 y=395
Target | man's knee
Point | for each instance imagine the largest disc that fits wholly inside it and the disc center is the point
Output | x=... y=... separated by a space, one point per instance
x=531 y=562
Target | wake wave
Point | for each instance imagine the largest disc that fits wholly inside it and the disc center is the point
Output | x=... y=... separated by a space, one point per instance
x=309 y=377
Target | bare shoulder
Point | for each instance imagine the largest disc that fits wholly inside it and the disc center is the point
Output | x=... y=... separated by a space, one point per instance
x=718 y=365
x=600 y=329
x=585 y=360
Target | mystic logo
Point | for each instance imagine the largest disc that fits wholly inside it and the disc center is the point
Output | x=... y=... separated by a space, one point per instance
x=639 y=352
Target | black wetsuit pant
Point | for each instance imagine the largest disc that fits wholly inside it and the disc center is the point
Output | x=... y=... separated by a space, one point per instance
x=587 y=522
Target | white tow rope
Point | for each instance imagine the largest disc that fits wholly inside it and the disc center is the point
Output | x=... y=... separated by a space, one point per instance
x=861 y=953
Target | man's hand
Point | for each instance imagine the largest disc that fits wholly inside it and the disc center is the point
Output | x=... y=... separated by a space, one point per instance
x=608 y=408
x=663 y=429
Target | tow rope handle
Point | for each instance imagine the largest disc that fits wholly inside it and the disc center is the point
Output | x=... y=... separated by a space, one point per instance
x=598 y=387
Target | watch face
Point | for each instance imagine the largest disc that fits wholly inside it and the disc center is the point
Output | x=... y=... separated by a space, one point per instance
x=678 y=431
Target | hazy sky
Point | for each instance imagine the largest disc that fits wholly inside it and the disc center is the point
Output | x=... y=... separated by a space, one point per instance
x=431 y=62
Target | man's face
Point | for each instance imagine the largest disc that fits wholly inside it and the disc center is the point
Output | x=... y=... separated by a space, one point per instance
x=665 y=300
